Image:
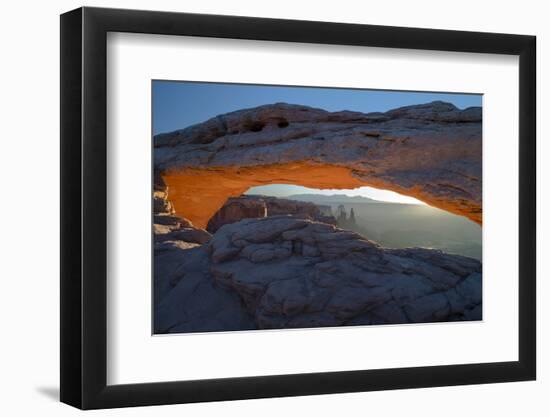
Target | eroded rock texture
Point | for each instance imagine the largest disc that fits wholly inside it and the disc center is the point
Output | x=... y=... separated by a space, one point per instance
x=285 y=272
x=186 y=299
x=253 y=206
x=431 y=152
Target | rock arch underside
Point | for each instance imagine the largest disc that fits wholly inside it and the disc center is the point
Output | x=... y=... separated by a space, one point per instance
x=431 y=152
x=283 y=271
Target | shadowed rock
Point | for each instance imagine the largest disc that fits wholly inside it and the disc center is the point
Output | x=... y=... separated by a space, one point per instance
x=284 y=272
x=254 y=206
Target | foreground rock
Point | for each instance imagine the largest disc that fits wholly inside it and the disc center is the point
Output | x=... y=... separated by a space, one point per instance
x=431 y=152
x=286 y=272
x=186 y=299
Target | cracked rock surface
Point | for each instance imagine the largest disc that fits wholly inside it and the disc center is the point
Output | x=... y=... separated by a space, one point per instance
x=287 y=272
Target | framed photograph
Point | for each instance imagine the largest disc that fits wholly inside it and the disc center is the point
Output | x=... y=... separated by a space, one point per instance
x=258 y=208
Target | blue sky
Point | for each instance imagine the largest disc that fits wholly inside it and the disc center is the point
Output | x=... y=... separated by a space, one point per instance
x=177 y=105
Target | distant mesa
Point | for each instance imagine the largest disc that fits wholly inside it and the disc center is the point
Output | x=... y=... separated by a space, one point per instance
x=333 y=199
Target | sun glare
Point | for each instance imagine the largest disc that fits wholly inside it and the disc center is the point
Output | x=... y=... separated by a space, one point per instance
x=286 y=190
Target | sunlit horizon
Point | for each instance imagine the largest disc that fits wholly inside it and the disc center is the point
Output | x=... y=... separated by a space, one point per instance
x=287 y=190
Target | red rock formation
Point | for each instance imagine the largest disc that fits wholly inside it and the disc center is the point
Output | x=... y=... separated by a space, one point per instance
x=171 y=230
x=431 y=152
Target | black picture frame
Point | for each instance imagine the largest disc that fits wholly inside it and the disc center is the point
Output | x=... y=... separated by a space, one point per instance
x=84 y=207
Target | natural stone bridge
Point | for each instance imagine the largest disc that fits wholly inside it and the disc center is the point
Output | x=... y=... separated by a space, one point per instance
x=431 y=152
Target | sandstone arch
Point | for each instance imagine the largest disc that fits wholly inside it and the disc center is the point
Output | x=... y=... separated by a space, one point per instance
x=431 y=152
